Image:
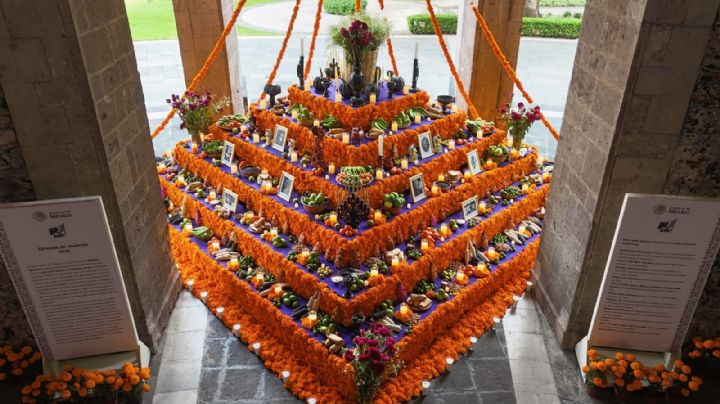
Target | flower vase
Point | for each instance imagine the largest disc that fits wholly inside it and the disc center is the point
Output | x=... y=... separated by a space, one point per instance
x=196 y=136
x=357 y=83
x=517 y=138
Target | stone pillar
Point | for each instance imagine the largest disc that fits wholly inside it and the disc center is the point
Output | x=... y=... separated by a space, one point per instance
x=642 y=117
x=76 y=105
x=479 y=69
x=199 y=25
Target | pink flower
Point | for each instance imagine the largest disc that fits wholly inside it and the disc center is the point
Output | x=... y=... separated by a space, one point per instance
x=521 y=105
x=360 y=341
x=503 y=110
x=515 y=116
x=373 y=342
x=349 y=356
x=344 y=32
x=531 y=117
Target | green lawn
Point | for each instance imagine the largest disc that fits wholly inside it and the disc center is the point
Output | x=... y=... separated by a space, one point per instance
x=154 y=19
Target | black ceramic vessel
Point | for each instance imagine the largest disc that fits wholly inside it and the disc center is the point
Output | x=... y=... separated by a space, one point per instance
x=357 y=83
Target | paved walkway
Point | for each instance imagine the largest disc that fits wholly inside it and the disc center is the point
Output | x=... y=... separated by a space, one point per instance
x=544 y=66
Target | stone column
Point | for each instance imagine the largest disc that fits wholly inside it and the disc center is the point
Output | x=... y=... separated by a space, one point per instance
x=199 y=25
x=479 y=69
x=76 y=107
x=641 y=116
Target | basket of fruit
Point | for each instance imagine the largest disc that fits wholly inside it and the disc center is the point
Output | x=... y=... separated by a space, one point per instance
x=393 y=202
x=354 y=176
x=232 y=123
x=498 y=153
x=314 y=202
x=213 y=148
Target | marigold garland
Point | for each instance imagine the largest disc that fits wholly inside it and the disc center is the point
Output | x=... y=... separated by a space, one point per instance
x=450 y=63
x=206 y=66
x=316 y=28
x=358 y=6
x=305 y=284
x=506 y=65
x=388 y=41
x=280 y=55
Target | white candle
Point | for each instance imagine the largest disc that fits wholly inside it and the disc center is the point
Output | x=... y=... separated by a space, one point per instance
x=293 y=156
x=203 y=296
x=394 y=126
x=417 y=46
x=380 y=145
x=406 y=90
x=331 y=168
x=316 y=123
x=441 y=178
x=373 y=98
x=212 y=196
x=346 y=138
x=307 y=85
x=451 y=144
x=256 y=347
x=417 y=118
x=233 y=169
x=302 y=47
x=294 y=114
x=256 y=138
x=187 y=230
x=285 y=375
x=190 y=284
x=219 y=312
x=236 y=330
x=338 y=97
x=379 y=174
x=404 y=164
x=263 y=104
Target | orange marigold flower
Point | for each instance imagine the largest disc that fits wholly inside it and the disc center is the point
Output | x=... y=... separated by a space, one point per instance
x=145 y=373
x=609 y=361
x=146 y=387
x=630 y=357
x=65 y=376
x=620 y=382
x=638 y=373
x=597 y=381
x=685 y=392
x=17 y=371
x=36 y=384
x=686 y=369
x=593 y=365
x=26 y=350
x=76 y=385
x=127 y=387
x=82 y=392
x=601 y=366
x=592 y=354
x=134 y=379
x=694 y=354
x=66 y=394
x=678 y=363
x=716 y=353
x=110 y=380
x=619 y=356
x=709 y=344
x=26 y=390
x=683 y=378
x=76 y=372
x=698 y=344
x=36 y=393
x=68 y=367
x=90 y=384
x=694 y=385
x=24 y=364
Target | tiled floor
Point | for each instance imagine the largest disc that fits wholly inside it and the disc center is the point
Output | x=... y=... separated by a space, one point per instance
x=202 y=362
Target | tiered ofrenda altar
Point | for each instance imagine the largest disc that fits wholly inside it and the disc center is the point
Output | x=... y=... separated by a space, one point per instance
x=300 y=283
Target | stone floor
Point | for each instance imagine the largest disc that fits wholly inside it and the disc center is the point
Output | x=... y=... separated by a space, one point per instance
x=544 y=66
x=519 y=362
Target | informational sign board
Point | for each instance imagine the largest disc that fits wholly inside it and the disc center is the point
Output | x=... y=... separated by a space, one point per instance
x=62 y=261
x=660 y=259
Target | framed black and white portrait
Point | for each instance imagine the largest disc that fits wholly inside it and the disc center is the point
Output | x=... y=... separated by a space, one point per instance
x=470 y=208
x=417 y=188
x=280 y=138
x=425 y=143
x=228 y=151
x=286 y=186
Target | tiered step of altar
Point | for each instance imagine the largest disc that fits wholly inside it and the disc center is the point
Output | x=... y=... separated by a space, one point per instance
x=369 y=242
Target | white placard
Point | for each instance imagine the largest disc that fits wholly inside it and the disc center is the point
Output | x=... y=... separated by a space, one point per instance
x=470 y=207
x=417 y=187
x=62 y=261
x=661 y=256
x=228 y=152
x=285 y=187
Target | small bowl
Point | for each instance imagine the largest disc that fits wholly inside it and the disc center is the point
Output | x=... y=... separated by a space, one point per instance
x=250 y=171
x=315 y=210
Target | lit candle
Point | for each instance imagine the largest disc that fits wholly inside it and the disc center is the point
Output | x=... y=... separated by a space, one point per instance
x=285 y=375
x=338 y=97
x=256 y=347
x=305 y=254
x=293 y=157
x=379 y=174
x=203 y=296
x=234 y=264
x=211 y=196
x=190 y=284
x=451 y=144
x=236 y=330
x=441 y=177
x=525 y=189
x=394 y=127
x=454 y=109
x=243 y=128
x=233 y=169
x=424 y=246
x=346 y=138
x=481 y=206
x=294 y=114
x=395 y=262
x=194 y=147
x=331 y=168
x=263 y=104
x=274 y=231
x=417 y=118
x=302 y=47
x=256 y=138
x=540 y=160
x=215 y=245
x=316 y=123
x=373 y=273
x=219 y=312
x=333 y=219
x=307 y=85
x=404 y=164
x=373 y=98
x=461 y=277
x=187 y=230
x=467 y=174
x=260 y=278
x=444 y=229
x=508 y=142
x=381 y=141
x=406 y=90
x=377 y=216
x=278 y=289
x=481 y=267
x=180 y=181
x=434 y=190
x=404 y=310
x=417 y=46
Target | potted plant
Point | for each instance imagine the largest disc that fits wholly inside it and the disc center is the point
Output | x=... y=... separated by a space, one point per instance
x=373 y=359
x=197 y=112
x=360 y=36
x=596 y=372
x=669 y=386
x=629 y=375
x=705 y=354
x=519 y=121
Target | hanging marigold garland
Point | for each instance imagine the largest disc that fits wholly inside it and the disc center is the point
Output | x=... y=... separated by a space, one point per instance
x=454 y=72
x=204 y=69
x=506 y=64
x=316 y=28
x=283 y=47
x=358 y=6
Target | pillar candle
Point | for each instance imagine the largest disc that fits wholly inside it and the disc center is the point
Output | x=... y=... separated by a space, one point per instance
x=346 y=138
x=316 y=123
x=194 y=147
x=404 y=164
x=451 y=144
x=379 y=174
x=417 y=118
x=233 y=169
x=377 y=216
x=381 y=140
x=293 y=156
x=441 y=177
x=373 y=98
x=394 y=126
x=467 y=175
x=187 y=230
x=256 y=138
x=424 y=246
x=294 y=114
x=406 y=90
x=434 y=190
x=417 y=46
x=338 y=97
x=395 y=262
x=331 y=168
x=212 y=196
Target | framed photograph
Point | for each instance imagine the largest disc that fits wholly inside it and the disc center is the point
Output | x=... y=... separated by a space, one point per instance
x=286 y=186
x=280 y=138
x=229 y=200
x=474 y=162
x=426 y=146
x=417 y=188
x=470 y=208
x=228 y=152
